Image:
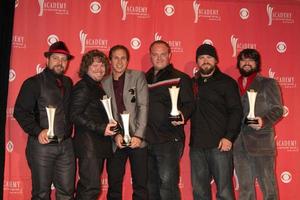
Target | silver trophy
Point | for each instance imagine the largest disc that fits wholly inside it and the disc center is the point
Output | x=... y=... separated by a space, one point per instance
x=175 y=113
x=51 y=116
x=251 y=116
x=106 y=101
x=126 y=136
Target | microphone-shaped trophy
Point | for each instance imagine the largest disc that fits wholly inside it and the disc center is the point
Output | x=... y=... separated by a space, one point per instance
x=175 y=113
x=251 y=115
x=126 y=136
x=51 y=116
x=106 y=101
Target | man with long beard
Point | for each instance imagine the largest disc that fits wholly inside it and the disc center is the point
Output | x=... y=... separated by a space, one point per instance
x=215 y=124
x=50 y=159
x=254 y=149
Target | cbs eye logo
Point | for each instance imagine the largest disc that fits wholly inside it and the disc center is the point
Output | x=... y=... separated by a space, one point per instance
x=12 y=75
x=169 y=10
x=286 y=177
x=52 y=39
x=135 y=43
x=95 y=7
x=281 y=47
x=244 y=13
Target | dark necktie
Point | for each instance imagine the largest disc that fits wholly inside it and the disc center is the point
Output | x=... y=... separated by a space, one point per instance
x=60 y=85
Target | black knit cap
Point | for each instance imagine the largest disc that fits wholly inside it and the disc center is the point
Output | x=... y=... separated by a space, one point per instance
x=58 y=47
x=207 y=49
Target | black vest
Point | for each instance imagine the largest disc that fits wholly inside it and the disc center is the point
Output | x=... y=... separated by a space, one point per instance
x=50 y=95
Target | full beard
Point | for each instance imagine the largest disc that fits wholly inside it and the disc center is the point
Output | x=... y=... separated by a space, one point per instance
x=245 y=73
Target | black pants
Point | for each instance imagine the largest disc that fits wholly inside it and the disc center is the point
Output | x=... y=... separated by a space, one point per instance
x=51 y=163
x=90 y=170
x=116 y=170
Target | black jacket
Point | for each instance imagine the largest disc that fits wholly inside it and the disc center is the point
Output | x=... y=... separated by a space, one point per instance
x=218 y=110
x=159 y=128
x=90 y=120
x=39 y=92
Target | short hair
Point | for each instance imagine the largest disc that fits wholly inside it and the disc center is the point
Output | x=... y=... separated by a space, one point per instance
x=252 y=54
x=88 y=59
x=117 y=47
x=160 y=42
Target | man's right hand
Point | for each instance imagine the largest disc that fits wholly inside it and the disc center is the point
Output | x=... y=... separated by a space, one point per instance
x=108 y=131
x=119 y=140
x=43 y=138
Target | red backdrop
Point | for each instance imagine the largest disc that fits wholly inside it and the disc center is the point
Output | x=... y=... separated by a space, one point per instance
x=272 y=27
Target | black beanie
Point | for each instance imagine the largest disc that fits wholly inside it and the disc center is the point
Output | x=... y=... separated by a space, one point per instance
x=207 y=49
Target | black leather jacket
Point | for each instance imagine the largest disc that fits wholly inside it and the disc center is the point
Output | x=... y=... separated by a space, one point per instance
x=90 y=120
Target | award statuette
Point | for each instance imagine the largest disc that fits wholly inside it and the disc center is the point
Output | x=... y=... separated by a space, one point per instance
x=106 y=101
x=126 y=136
x=175 y=114
x=251 y=116
x=51 y=115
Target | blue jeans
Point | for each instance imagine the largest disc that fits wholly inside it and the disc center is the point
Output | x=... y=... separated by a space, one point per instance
x=207 y=164
x=163 y=170
x=248 y=168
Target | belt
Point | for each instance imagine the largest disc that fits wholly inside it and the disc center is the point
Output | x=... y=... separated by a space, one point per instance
x=57 y=140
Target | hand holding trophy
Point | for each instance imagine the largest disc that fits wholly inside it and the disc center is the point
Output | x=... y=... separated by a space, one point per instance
x=251 y=119
x=126 y=135
x=175 y=114
x=51 y=116
x=106 y=101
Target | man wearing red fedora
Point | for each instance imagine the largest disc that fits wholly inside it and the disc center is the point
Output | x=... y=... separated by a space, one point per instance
x=42 y=110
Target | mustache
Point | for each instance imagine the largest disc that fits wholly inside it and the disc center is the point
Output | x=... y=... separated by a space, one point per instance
x=206 y=64
x=246 y=65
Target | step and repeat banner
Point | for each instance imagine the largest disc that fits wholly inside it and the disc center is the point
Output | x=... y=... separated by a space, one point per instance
x=272 y=27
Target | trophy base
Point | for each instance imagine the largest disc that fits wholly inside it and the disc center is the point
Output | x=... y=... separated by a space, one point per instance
x=53 y=139
x=124 y=144
x=251 y=121
x=175 y=118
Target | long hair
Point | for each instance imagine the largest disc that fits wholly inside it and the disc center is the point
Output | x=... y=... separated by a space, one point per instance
x=88 y=59
x=252 y=54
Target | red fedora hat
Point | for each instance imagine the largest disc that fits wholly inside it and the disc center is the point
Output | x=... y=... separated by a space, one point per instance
x=58 y=47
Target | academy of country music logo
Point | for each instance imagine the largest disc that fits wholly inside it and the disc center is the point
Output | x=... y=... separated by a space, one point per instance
x=238 y=46
x=16 y=3
x=208 y=13
x=286 y=177
x=12 y=186
x=9 y=113
x=137 y=10
x=18 y=41
x=169 y=10
x=288 y=145
x=244 y=13
x=176 y=45
x=12 y=75
x=87 y=42
x=282 y=16
x=39 y=68
x=95 y=7
x=284 y=81
x=58 y=7
x=104 y=184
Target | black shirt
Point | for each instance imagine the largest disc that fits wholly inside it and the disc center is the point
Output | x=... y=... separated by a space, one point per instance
x=218 y=110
